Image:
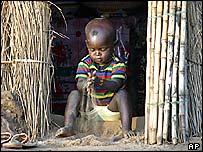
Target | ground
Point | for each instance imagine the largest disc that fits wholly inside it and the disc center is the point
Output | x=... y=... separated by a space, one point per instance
x=88 y=139
x=92 y=143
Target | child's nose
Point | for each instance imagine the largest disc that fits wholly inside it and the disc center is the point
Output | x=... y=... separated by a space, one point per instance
x=98 y=52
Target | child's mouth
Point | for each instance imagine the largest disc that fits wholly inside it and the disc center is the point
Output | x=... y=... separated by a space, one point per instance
x=99 y=60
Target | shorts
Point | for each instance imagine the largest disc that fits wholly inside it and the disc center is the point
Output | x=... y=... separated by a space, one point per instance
x=101 y=113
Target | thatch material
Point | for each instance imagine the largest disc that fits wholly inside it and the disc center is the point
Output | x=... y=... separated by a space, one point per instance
x=25 y=59
x=194 y=69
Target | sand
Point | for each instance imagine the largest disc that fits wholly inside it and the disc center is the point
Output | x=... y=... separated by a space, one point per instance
x=87 y=138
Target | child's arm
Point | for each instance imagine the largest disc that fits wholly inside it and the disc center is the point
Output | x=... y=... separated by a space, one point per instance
x=111 y=85
x=81 y=83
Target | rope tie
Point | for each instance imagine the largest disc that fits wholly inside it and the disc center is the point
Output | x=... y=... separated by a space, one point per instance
x=162 y=103
x=25 y=60
x=177 y=12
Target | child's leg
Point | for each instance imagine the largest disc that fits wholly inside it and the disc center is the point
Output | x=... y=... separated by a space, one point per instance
x=70 y=114
x=121 y=103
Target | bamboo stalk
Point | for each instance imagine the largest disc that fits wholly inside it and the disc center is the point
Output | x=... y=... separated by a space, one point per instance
x=174 y=95
x=162 y=73
x=148 y=72
x=156 y=71
x=182 y=73
x=171 y=30
x=153 y=32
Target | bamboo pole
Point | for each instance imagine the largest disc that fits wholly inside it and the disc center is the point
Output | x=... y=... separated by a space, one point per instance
x=153 y=32
x=182 y=73
x=171 y=30
x=149 y=21
x=162 y=73
x=174 y=95
x=156 y=71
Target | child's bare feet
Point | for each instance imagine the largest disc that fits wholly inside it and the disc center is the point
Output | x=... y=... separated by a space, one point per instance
x=128 y=134
x=65 y=131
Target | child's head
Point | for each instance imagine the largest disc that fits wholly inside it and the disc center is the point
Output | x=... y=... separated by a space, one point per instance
x=100 y=39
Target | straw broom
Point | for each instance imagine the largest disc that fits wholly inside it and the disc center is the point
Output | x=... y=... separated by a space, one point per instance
x=174 y=95
x=156 y=71
x=148 y=73
x=182 y=73
x=153 y=32
x=162 y=73
x=171 y=30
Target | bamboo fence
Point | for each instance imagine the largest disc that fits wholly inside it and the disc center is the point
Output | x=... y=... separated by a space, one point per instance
x=26 y=66
x=172 y=111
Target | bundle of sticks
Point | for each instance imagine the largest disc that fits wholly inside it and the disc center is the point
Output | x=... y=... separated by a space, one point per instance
x=26 y=66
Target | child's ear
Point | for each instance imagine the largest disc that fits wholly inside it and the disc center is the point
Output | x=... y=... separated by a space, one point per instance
x=86 y=42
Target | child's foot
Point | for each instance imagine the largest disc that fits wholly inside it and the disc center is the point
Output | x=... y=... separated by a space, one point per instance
x=128 y=134
x=65 y=131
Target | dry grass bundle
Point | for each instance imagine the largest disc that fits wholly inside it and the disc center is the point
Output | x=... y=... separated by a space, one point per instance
x=26 y=66
x=194 y=70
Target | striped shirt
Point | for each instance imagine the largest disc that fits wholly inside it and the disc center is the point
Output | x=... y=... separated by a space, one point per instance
x=113 y=69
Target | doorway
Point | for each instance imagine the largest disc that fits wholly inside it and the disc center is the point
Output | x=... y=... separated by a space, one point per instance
x=128 y=17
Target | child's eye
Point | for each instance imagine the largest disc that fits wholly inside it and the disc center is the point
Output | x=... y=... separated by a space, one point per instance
x=92 y=50
x=103 y=49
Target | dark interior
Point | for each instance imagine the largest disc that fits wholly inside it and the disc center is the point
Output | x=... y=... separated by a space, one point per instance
x=128 y=16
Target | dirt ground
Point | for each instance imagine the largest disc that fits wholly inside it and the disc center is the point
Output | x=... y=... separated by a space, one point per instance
x=93 y=143
x=88 y=137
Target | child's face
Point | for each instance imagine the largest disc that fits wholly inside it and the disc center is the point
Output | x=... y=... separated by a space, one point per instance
x=99 y=47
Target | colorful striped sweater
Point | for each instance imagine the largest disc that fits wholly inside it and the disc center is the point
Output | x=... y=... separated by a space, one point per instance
x=112 y=70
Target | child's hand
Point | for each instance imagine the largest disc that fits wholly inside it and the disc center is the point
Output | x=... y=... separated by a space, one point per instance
x=90 y=81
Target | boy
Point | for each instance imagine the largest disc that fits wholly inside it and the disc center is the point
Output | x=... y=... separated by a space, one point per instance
x=102 y=76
